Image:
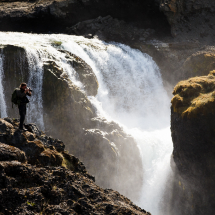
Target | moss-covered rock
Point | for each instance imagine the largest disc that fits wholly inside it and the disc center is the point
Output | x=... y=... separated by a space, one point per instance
x=195 y=96
x=193 y=126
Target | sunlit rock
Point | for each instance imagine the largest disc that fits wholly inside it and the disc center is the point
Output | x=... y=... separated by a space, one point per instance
x=192 y=126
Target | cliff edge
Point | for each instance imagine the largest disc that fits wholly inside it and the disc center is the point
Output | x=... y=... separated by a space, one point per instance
x=193 y=126
x=38 y=176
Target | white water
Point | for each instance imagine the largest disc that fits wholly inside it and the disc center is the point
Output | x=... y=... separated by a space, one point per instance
x=3 y=111
x=131 y=92
x=35 y=82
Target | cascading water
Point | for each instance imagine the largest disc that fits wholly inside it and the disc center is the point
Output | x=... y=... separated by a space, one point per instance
x=35 y=82
x=130 y=92
x=3 y=111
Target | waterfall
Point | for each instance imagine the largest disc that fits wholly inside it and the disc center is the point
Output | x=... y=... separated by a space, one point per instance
x=35 y=82
x=130 y=92
x=2 y=97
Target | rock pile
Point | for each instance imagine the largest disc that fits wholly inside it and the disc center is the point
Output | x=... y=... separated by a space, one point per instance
x=37 y=176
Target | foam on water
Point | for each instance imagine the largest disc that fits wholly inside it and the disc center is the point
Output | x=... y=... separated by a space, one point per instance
x=130 y=92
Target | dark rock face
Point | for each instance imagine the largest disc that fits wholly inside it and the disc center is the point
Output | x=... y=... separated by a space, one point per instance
x=190 y=19
x=110 y=29
x=49 y=15
x=38 y=176
x=192 y=126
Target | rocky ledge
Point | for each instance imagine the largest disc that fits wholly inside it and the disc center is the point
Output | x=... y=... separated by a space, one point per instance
x=54 y=15
x=37 y=176
x=193 y=126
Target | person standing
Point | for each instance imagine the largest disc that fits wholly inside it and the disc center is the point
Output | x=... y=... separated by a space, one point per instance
x=22 y=99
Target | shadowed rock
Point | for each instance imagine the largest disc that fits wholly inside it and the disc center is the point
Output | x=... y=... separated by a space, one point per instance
x=50 y=181
x=192 y=126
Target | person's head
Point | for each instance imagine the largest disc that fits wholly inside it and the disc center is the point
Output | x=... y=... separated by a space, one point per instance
x=23 y=86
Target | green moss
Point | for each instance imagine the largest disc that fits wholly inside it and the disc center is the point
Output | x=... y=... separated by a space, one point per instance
x=56 y=43
x=195 y=96
x=31 y=203
x=67 y=164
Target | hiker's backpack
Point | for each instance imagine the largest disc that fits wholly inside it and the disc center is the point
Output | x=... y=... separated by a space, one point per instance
x=14 y=98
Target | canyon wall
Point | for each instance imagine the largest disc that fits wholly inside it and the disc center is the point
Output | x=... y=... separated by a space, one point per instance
x=193 y=20
x=192 y=126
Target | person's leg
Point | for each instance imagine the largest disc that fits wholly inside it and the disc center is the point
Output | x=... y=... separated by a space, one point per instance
x=22 y=113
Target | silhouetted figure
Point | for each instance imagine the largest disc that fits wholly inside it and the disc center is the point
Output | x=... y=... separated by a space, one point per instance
x=22 y=94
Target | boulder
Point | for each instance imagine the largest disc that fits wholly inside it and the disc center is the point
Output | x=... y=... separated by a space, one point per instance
x=9 y=153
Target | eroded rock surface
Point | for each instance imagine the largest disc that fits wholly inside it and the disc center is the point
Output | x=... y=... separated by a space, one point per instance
x=37 y=176
x=190 y=19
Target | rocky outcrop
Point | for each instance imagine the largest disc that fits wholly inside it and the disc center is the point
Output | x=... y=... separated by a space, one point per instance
x=190 y=19
x=110 y=29
x=49 y=15
x=37 y=176
x=107 y=151
x=192 y=125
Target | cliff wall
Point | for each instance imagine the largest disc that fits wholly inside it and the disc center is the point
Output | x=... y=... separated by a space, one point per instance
x=190 y=19
x=192 y=126
x=49 y=15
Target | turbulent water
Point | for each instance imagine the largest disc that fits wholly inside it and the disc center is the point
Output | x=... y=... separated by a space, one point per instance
x=131 y=92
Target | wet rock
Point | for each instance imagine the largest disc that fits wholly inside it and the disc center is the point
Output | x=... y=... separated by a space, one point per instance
x=86 y=75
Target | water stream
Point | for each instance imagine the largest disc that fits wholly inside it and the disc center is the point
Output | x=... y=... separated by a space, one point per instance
x=3 y=111
x=130 y=92
x=35 y=81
